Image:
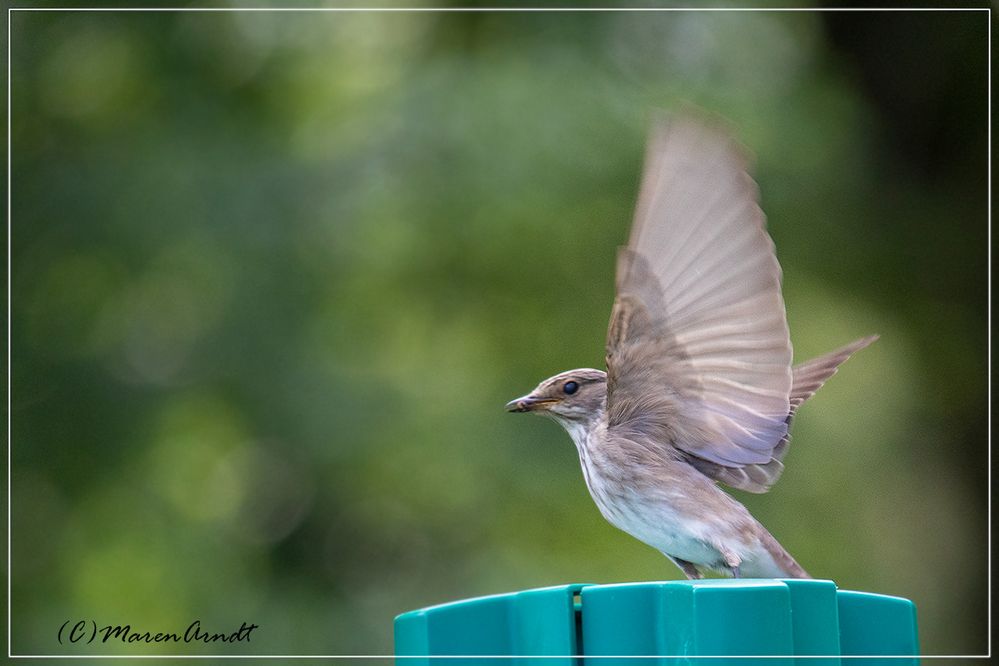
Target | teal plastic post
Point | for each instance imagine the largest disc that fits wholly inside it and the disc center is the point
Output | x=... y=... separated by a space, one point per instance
x=532 y=622
x=875 y=624
x=814 y=621
x=772 y=620
x=714 y=617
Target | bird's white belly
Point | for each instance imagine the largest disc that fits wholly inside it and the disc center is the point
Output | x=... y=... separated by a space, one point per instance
x=654 y=520
x=659 y=526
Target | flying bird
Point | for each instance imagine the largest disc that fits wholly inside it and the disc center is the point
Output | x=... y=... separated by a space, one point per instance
x=699 y=387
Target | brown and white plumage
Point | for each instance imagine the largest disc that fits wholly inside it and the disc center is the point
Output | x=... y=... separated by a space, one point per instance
x=699 y=385
x=701 y=274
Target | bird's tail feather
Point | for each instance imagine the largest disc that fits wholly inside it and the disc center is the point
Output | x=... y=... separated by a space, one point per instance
x=809 y=376
x=786 y=564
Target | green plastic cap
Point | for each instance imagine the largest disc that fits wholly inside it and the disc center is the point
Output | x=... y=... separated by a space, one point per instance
x=771 y=620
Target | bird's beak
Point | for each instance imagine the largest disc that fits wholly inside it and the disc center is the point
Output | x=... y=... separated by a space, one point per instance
x=528 y=403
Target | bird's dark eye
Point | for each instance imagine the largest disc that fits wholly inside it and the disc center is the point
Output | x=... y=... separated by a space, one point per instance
x=570 y=387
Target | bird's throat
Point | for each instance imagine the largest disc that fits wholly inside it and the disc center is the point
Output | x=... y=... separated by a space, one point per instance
x=580 y=430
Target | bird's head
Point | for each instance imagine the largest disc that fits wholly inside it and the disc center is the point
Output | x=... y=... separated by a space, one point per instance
x=572 y=397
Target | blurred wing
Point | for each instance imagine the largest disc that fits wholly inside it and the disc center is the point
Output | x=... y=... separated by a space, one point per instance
x=698 y=353
x=808 y=377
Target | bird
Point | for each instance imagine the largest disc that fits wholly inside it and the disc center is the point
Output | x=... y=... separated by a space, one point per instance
x=699 y=388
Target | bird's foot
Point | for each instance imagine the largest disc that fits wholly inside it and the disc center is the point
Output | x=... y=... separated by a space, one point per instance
x=732 y=561
x=688 y=568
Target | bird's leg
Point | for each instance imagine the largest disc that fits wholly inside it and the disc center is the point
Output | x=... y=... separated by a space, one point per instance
x=732 y=561
x=686 y=567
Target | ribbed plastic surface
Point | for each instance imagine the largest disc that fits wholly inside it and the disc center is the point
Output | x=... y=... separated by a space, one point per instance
x=675 y=620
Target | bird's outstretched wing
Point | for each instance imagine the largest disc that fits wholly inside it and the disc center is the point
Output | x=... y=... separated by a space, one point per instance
x=808 y=377
x=698 y=352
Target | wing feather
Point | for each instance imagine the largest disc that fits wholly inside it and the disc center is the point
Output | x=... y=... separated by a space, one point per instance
x=808 y=377
x=698 y=351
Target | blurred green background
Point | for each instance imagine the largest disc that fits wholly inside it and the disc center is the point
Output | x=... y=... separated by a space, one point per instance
x=275 y=275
